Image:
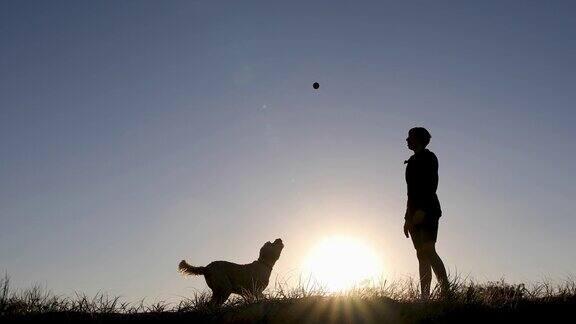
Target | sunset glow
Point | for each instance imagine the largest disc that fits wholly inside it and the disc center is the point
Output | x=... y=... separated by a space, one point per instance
x=339 y=263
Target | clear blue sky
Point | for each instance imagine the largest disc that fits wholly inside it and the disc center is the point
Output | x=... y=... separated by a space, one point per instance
x=137 y=133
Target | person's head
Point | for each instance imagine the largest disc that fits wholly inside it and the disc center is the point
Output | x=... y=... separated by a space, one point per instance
x=418 y=138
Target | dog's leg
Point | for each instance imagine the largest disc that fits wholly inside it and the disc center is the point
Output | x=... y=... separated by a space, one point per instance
x=219 y=297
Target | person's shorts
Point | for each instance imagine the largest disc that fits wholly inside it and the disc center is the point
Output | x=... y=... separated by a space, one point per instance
x=425 y=232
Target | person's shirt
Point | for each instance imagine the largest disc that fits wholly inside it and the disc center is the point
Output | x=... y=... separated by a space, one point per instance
x=422 y=182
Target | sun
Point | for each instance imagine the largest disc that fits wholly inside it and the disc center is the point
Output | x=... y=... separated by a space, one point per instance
x=338 y=263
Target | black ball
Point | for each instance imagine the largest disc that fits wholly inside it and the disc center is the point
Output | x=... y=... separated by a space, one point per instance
x=316 y=85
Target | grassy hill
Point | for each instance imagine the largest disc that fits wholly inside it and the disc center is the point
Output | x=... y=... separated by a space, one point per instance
x=388 y=303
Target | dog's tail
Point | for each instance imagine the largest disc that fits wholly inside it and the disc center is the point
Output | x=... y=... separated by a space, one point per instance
x=187 y=269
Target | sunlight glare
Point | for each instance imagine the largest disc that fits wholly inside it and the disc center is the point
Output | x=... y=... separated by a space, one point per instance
x=339 y=263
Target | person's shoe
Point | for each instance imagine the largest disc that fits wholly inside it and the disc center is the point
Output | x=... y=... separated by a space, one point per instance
x=424 y=298
x=447 y=295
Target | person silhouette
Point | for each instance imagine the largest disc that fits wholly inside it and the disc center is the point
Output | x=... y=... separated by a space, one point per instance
x=423 y=210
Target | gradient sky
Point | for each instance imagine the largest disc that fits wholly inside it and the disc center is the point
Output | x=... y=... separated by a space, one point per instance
x=137 y=133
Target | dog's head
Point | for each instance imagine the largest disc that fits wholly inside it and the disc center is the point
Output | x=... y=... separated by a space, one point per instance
x=270 y=252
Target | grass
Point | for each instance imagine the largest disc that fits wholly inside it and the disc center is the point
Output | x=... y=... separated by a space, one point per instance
x=387 y=302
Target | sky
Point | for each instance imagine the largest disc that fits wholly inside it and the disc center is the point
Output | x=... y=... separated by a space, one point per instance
x=134 y=134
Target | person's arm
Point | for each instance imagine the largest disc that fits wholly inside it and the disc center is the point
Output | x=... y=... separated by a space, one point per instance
x=426 y=184
x=408 y=213
x=407 y=226
x=430 y=177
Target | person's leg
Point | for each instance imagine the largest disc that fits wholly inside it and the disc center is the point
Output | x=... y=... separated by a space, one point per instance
x=425 y=273
x=429 y=250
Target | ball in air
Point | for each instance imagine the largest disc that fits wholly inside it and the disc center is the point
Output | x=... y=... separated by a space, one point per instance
x=315 y=85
